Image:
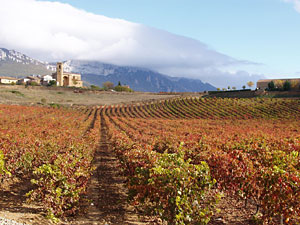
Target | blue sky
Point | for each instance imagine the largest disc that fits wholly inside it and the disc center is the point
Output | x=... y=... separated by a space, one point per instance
x=262 y=31
x=223 y=42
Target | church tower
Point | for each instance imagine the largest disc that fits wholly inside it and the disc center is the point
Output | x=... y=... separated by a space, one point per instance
x=59 y=73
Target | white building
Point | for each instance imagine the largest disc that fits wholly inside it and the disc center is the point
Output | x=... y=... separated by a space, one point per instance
x=8 y=80
x=46 y=79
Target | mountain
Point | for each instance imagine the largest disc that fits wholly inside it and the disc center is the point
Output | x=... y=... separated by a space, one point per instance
x=13 y=63
x=139 y=79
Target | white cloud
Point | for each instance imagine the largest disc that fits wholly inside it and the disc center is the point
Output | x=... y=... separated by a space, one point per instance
x=55 y=31
x=296 y=4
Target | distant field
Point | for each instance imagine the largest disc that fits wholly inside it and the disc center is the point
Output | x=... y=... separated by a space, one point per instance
x=42 y=95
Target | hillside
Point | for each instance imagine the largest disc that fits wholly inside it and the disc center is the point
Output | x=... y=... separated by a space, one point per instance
x=139 y=79
x=16 y=64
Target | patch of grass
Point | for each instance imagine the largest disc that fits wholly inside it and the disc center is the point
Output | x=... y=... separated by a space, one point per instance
x=55 y=105
x=60 y=93
x=17 y=93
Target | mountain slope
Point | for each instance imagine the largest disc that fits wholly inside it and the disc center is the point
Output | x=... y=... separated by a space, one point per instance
x=13 y=63
x=138 y=79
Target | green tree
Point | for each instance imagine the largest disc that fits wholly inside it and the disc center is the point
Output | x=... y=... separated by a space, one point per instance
x=228 y=87
x=271 y=86
x=287 y=85
x=52 y=83
x=233 y=88
x=244 y=87
x=122 y=88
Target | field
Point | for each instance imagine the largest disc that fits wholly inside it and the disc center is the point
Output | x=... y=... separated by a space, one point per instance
x=182 y=161
x=36 y=95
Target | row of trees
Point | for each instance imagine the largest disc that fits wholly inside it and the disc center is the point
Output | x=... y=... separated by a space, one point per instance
x=249 y=84
x=110 y=86
x=281 y=85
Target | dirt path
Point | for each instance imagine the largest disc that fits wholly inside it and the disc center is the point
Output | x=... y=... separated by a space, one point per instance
x=107 y=191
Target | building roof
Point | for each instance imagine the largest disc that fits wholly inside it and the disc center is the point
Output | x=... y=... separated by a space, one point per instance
x=9 y=78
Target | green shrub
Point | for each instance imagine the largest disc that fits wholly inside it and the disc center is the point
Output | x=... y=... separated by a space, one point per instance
x=94 y=87
x=52 y=83
x=33 y=83
x=3 y=170
x=123 y=88
x=17 y=93
x=55 y=105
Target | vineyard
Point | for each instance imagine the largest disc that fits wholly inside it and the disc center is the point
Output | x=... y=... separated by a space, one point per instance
x=181 y=157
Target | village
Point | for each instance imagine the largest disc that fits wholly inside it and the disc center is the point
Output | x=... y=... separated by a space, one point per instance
x=59 y=78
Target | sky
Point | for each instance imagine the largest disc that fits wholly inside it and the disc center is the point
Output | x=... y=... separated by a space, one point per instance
x=226 y=42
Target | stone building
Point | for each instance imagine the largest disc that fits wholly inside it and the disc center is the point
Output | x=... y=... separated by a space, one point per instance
x=66 y=79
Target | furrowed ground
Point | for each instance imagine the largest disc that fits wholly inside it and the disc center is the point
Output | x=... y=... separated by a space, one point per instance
x=183 y=161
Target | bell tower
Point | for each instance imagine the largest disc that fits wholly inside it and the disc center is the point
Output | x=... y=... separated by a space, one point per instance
x=59 y=73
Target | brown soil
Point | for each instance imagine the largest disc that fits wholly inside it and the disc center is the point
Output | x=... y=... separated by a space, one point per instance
x=106 y=192
x=233 y=212
x=13 y=203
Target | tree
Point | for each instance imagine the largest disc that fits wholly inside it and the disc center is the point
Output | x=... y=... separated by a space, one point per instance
x=95 y=87
x=286 y=86
x=271 y=86
x=122 y=88
x=250 y=84
x=108 y=85
x=295 y=84
x=218 y=89
x=119 y=83
x=233 y=88
x=228 y=87
x=52 y=83
x=279 y=84
x=244 y=87
x=224 y=89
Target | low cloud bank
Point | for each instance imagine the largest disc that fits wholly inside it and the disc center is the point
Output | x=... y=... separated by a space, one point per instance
x=55 y=31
